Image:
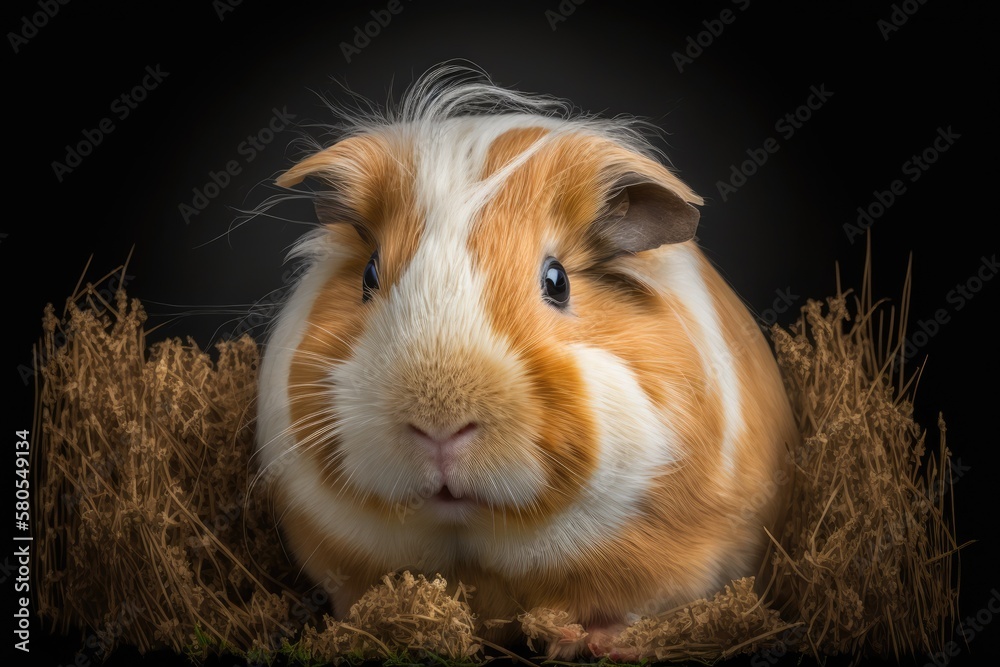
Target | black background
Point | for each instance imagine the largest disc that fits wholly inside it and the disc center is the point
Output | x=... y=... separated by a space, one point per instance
x=780 y=232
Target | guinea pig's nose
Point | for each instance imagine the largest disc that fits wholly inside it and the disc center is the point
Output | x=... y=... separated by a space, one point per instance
x=444 y=442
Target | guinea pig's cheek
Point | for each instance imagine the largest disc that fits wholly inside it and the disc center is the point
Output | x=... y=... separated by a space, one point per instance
x=369 y=448
x=636 y=442
x=626 y=449
x=311 y=410
x=566 y=436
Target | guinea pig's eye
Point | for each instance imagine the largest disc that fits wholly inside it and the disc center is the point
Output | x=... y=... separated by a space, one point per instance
x=370 y=278
x=555 y=283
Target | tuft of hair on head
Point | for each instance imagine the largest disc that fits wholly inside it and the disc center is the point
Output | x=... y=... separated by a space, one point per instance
x=452 y=90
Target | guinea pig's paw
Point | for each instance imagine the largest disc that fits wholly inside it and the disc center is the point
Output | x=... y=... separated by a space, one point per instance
x=561 y=637
x=571 y=643
x=602 y=642
x=597 y=641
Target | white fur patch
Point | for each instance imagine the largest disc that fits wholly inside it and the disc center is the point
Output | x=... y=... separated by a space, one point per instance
x=680 y=275
x=636 y=447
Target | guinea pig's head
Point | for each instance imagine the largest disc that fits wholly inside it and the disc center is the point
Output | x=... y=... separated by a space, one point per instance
x=480 y=330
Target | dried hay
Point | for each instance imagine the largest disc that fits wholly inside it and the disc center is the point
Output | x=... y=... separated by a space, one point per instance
x=153 y=533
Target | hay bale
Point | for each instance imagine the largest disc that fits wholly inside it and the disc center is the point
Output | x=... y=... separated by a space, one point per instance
x=147 y=532
x=155 y=531
x=865 y=560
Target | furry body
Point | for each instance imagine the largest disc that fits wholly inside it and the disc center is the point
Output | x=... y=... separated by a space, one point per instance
x=605 y=458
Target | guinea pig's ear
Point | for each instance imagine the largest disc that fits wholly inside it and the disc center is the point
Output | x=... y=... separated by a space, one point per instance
x=646 y=210
x=329 y=163
x=345 y=172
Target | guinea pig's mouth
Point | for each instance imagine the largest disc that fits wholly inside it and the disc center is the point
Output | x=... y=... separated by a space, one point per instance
x=453 y=507
x=445 y=495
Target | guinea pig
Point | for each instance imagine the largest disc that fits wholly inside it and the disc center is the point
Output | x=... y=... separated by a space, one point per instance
x=507 y=361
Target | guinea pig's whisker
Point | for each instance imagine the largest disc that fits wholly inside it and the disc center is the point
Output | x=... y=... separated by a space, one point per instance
x=320 y=390
x=337 y=475
x=320 y=360
x=318 y=356
x=324 y=367
x=329 y=333
x=499 y=481
x=399 y=476
x=305 y=561
x=562 y=468
x=288 y=433
x=262 y=210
